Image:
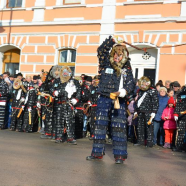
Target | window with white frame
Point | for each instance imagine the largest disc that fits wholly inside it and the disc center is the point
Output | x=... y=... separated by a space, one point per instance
x=14 y=3
x=67 y=57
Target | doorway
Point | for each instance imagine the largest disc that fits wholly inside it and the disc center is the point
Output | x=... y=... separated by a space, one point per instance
x=143 y=67
x=11 y=61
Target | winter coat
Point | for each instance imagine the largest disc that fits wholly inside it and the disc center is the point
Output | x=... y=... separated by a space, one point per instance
x=169 y=123
x=131 y=108
x=162 y=105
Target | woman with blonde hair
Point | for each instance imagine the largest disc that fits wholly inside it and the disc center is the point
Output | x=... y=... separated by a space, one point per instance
x=158 y=122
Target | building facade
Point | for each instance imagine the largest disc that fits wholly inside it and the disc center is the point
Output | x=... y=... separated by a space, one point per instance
x=36 y=34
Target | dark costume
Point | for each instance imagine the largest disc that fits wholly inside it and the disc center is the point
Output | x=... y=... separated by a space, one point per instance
x=85 y=97
x=147 y=106
x=180 y=112
x=93 y=99
x=30 y=108
x=4 y=90
x=45 y=103
x=112 y=77
x=66 y=92
x=54 y=80
x=18 y=99
x=79 y=113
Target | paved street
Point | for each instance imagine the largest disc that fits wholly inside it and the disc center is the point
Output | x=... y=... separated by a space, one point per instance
x=25 y=159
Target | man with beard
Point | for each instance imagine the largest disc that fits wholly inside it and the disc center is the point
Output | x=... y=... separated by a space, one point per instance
x=116 y=81
x=180 y=118
x=147 y=107
x=69 y=93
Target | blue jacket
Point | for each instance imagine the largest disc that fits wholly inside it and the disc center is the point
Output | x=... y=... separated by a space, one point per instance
x=163 y=100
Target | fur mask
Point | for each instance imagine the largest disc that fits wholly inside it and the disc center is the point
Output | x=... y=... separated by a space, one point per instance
x=118 y=57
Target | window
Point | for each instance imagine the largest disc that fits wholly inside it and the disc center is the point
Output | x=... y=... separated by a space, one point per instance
x=14 y=3
x=66 y=2
x=11 y=61
x=67 y=57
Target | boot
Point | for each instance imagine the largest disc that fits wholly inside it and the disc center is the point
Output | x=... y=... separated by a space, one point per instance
x=58 y=140
x=93 y=158
x=45 y=137
x=91 y=137
x=84 y=134
x=72 y=141
x=168 y=145
x=165 y=145
x=118 y=161
x=177 y=149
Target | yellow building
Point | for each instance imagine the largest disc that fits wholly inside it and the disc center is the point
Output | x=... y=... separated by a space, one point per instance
x=36 y=34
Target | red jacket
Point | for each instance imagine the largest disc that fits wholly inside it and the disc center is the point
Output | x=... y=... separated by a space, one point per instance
x=169 y=123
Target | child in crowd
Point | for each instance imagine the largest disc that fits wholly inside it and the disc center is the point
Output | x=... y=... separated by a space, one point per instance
x=169 y=124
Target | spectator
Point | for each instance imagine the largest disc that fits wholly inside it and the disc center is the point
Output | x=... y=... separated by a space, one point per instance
x=160 y=82
x=137 y=87
x=24 y=79
x=20 y=76
x=5 y=75
x=167 y=84
x=169 y=124
x=7 y=80
x=170 y=92
x=158 y=85
x=176 y=88
x=158 y=123
x=35 y=79
x=29 y=79
x=11 y=77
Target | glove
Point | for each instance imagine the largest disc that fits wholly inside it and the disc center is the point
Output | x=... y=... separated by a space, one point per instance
x=38 y=105
x=22 y=100
x=89 y=103
x=152 y=115
x=135 y=114
x=73 y=101
x=29 y=109
x=122 y=93
x=56 y=93
x=176 y=118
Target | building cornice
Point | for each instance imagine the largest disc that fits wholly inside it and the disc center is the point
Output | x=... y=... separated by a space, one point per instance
x=88 y=22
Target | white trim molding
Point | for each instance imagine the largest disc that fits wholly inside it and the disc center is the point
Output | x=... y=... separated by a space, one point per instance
x=183 y=9
x=142 y=16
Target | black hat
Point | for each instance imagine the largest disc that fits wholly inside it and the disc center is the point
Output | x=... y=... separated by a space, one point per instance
x=176 y=84
x=35 y=77
x=88 y=78
x=20 y=74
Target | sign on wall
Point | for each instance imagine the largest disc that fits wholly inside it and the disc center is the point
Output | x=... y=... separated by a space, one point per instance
x=71 y=1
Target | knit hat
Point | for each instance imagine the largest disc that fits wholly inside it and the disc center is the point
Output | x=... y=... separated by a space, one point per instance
x=171 y=101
